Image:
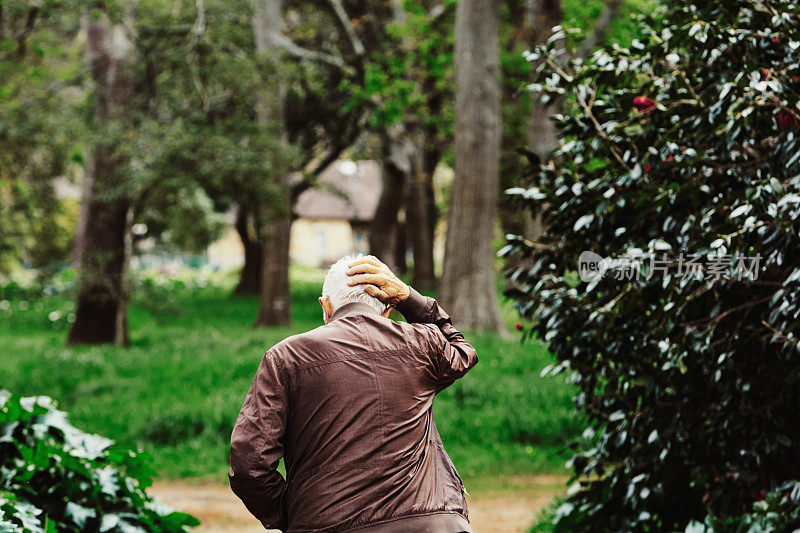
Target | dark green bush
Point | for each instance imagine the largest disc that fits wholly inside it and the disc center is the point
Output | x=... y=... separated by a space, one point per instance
x=777 y=511
x=54 y=477
x=685 y=143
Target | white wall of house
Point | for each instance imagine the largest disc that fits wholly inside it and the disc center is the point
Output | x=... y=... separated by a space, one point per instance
x=313 y=242
x=227 y=252
x=316 y=242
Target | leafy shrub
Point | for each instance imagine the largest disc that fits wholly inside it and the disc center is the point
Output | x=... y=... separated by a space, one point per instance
x=777 y=511
x=32 y=284
x=55 y=477
x=685 y=143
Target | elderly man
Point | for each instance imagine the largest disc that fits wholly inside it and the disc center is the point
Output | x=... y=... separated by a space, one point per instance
x=348 y=405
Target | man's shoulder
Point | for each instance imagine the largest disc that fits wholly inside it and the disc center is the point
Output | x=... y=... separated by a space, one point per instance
x=368 y=334
x=400 y=334
x=407 y=327
x=299 y=341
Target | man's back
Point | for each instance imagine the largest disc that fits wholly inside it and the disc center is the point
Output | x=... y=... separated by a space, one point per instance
x=348 y=405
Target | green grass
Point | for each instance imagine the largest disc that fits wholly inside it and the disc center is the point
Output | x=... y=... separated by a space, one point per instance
x=177 y=389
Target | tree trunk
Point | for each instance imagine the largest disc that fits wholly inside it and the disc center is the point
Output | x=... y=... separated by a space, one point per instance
x=468 y=290
x=101 y=314
x=101 y=311
x=407 y=182
x=426 y=151
x=383 y=231
x=79 y=244
x=274 y=299
x=383 y=228
x=421 y=218
x=545 y=14
x=274 y=306
x=542 y=137
x=400 y=247
x=542 y=134
x=250 y=276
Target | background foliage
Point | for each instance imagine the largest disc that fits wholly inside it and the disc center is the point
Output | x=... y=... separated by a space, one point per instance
x=37 y=138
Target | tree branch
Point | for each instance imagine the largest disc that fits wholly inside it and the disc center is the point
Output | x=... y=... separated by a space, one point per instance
x=23 y=35
x=200 y=22
x=781 y=336
x=344 y=22
x=600 y=129
x=287 y=45
x=319 y=164
x=268 y=36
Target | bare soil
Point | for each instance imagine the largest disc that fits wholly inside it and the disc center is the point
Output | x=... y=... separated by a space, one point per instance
x=500 y=505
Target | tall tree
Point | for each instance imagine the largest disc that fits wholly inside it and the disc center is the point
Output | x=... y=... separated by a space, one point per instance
x=102 y=306
x=412 y=102
x=208 y=87
x=312 y=110
x=468 y=282
x=432 y=74
x=177 y=116
x=384 y=232
x=274 y=297
x=421 y=217
x=544 y=15
x=36 y=73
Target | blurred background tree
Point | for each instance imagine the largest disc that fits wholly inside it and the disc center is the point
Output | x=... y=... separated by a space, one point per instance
x=38 y=149
x=193 y=135
x=169 y=117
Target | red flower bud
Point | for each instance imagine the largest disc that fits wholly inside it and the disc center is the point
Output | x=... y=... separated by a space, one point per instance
x=647 y=168
x=765 y=73
x=787 y=120
x=669 y=159
x=518 y=326
x=644 y=104
x=760 y=495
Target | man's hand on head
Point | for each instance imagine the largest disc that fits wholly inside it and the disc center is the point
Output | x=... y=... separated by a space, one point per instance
x=378 y=280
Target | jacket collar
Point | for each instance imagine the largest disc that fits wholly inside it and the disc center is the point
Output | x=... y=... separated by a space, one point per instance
x=353 y=308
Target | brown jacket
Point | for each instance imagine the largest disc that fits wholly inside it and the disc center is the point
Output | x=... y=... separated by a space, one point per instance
x=348 y=407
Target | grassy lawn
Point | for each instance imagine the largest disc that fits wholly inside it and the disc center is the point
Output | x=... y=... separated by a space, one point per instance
x=176 y=391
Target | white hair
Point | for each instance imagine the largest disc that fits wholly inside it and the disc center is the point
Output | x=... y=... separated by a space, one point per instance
x=336 y=288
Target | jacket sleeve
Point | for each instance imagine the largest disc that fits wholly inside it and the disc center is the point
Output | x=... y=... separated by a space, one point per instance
x=257 y=446
x=451 y=355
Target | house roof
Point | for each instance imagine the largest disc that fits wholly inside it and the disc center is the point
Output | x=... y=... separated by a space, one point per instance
x=346 y=190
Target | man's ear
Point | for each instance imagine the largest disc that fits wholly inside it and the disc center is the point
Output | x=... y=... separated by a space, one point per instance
x=387 y=312
x=327 y=308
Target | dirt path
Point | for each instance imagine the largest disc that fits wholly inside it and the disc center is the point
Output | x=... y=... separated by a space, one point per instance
x=505 y=505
